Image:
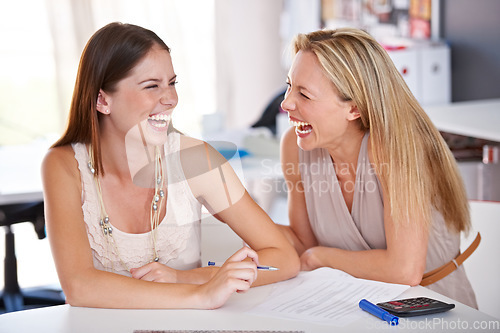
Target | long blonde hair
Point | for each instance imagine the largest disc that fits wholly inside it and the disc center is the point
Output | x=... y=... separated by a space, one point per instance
x=412 y=160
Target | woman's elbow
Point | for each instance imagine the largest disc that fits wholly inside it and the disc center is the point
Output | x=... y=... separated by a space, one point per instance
x=294 y=265
x=71 y=293
x=293 y=260
x=411 y=275
x=414 y=280
x=289 y=263
x=76 y=291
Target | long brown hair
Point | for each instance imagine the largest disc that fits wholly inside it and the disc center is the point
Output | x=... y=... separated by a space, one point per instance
x=412 y=160
x=108 y=57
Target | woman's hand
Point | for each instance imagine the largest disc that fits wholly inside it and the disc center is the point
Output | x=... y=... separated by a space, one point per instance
x=155 y=272
x=236 y=275
x=311 y=259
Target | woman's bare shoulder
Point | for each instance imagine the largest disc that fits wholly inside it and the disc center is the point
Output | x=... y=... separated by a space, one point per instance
x=198 y=157
x=59 y=159
x=289 y=150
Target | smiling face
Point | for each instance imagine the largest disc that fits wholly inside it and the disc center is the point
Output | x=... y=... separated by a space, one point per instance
x=146 y=97
x=321 y=118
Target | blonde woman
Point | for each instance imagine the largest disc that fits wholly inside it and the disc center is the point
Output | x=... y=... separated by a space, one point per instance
x=373 y=188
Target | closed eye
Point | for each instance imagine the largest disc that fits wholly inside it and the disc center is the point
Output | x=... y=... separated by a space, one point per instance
x=290 y=86
x=152 y=86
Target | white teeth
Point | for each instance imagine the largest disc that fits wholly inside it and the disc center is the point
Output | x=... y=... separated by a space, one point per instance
x=160 y=120
x=299 y=125
x=303 y=132
x=160 y=125
x=158 y=117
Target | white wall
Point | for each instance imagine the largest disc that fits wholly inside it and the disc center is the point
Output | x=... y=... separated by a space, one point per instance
x=248 y=58
x=218 y=240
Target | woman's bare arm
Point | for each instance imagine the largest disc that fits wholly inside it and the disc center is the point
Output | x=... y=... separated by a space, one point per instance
x=86 y=286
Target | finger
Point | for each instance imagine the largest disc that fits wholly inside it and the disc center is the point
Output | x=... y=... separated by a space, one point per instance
x=239 y=266
x=243 y=253
x=148 y=277
x=246 y=274
x=240 y=285
x=139 y=272
x=153 y=273
x=247 y=264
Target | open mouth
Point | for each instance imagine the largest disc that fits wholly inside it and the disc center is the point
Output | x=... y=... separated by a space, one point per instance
x=159 y=120
x=301 y=127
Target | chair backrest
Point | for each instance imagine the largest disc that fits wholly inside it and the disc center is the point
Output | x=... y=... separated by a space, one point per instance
x=26 y=212
x=483 y=266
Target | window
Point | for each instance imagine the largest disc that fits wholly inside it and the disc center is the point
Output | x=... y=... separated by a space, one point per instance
x=41 y=43
x=28 y=107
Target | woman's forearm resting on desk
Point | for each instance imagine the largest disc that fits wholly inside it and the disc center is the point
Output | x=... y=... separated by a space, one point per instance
x=401 y=263
x=370 y=264
x=95 y=288
x=156 y=272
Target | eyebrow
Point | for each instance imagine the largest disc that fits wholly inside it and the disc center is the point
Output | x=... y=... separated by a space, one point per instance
x=301 y=87
x=158 y=80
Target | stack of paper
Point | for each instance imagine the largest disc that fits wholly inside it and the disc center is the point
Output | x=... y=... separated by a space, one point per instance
x=325 y=295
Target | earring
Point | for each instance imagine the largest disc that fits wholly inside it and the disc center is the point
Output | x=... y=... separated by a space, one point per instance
x=106 y=111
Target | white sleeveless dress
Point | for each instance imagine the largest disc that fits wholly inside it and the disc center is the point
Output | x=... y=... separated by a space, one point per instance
x=363 y=228
x=178 y=235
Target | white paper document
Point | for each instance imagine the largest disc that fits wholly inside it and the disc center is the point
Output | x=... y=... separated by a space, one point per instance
x=325 y=295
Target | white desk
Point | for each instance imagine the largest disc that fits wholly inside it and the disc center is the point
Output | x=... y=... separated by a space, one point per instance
x=231 y=316
x=479 y=119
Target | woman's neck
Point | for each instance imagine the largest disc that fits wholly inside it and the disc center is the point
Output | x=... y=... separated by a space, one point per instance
x=346 y=153
x=114 y=158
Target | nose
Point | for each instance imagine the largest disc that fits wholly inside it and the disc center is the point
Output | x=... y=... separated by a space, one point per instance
x=287 y=104
x=169 y=98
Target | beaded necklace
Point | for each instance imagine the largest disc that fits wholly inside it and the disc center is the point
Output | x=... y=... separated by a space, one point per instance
x=156 y=204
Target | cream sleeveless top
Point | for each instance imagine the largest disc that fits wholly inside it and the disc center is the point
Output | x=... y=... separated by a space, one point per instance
x=178 y=235
x=363 y=228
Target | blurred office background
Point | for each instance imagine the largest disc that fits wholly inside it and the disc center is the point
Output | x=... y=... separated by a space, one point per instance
x=231 y=58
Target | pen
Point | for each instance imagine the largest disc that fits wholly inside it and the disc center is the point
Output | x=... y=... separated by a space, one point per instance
x=376 y=311
x=264 y=268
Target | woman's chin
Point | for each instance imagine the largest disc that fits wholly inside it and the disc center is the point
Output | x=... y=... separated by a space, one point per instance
x=156 y=135
x=304 y=140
